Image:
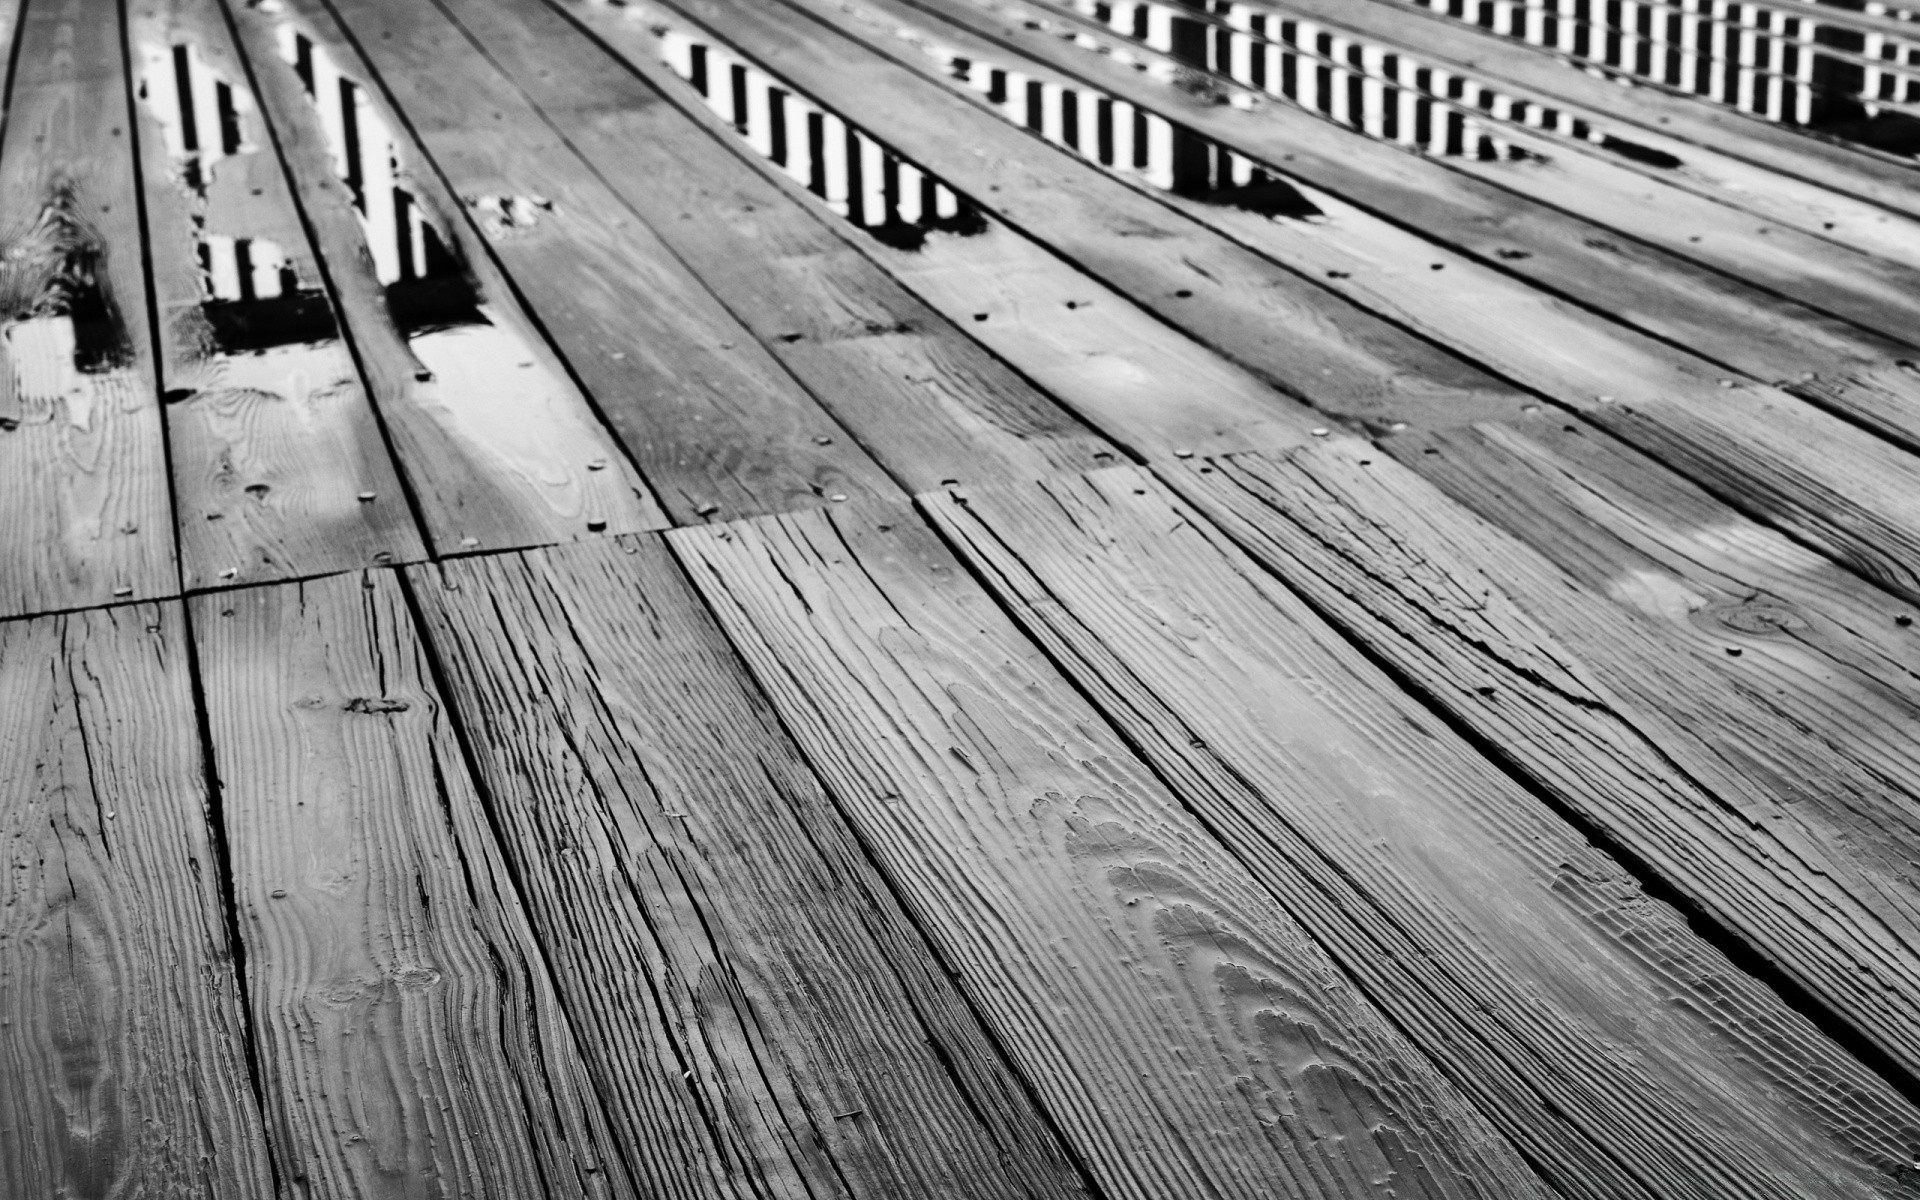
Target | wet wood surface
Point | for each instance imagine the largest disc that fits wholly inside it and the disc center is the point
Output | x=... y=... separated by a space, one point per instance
x=83 y=459
x=1254 y=616
x=500 y=446
x=281 y=468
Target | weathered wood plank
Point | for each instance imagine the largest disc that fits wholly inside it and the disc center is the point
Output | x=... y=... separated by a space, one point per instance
x=498 y=443
x=1185 y=1035
x=1142 y=383
x=1779 y=457
x=713 y=423
x=122 y=1034
x=409 y=1038
x=1346 y=360
x=1884 y=182
x=705 y=908
x=925 y=401
x=280 y=465
x=1725 y=787
x=83 y=475
x=1716 y=316
x=1447 y=890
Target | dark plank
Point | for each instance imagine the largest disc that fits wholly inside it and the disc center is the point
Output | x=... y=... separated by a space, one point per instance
x=1714 y=315
x=1781 y=458
x=1182 y=1031
x=1725 y=787
x=121 y=1028
x=498 y=443
x=82 y=457
x=280 y=466
x=1527 y=964
x=705 y=908
x=922 y=398
x=1142 y=383
x=713 y=423
x=409 y=1038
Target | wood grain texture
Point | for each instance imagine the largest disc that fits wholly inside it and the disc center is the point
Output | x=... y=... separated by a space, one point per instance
x=280 y=465
x=713 y=423
x=1719 y=317
x=755 y=1006
x=1292 y=333
x=1661 y=743
x=499 y=445
x=122 y=1032
x=409 y=1037
x=83 y=477
x=1182 y=1031
x=1140 y=382
x=928 y=403
x=1839 y=487
x=1445 y=888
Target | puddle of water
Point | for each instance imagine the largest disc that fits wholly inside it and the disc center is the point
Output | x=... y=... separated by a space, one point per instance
x=854 y=174
x=428 y=288
x=1781 y=63
x=51 y=277
x=253 y=299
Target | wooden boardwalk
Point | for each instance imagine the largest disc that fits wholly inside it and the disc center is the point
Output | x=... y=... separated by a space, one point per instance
x=814 y=599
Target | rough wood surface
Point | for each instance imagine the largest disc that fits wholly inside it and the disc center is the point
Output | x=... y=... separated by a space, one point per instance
x=122 y=1036
x=1655 y=737
x=83 y=476
x=409 y=1038
x=280 y=466
x=714 y=424
x=1433 y=878
x=922 y=398
x=500 y=446
x=1347 y=361
x=1713 y=315
x=1143 y=384
x=1186 y=1036
x=754 y=1005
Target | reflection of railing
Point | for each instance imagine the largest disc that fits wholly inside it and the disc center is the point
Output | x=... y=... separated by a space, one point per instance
x=855 y=175
x=1786 y=63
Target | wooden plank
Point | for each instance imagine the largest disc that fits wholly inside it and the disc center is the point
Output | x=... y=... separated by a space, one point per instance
x=713 y=423
x=499 y=445
x=1439 y=884
x=122 y=1034
x=1777 y=456
x=83 y=476
x=410 y=1041
x=928 y=403
x=1869 y=177
x=280 y=466
x=1720 y=777
x=1347 y=361
x=1142 y=383
x=1184 y=1034
x=706 y=910
x=1596 y=151
x=1824 y=650
x=1853 y=372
